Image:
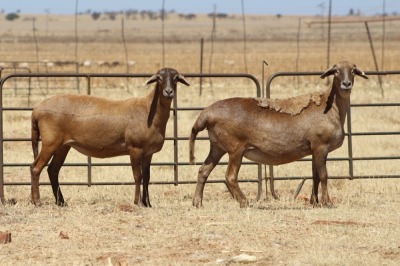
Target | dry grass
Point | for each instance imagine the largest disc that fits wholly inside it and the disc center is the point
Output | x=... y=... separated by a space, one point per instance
x=101 y=226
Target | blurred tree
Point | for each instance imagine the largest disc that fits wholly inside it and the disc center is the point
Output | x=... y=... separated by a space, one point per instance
x=12 y=16
x=96 y=15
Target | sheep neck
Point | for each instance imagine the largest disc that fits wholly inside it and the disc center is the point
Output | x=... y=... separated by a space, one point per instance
x=341 y=102
x=159 y=110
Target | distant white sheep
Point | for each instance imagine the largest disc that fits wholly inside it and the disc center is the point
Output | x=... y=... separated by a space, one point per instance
x=86 y=63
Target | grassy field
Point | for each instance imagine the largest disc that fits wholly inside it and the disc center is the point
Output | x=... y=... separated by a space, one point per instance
x=102 y=226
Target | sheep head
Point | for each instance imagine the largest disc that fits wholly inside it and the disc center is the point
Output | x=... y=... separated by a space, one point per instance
x=166 y=79
x=344 y=73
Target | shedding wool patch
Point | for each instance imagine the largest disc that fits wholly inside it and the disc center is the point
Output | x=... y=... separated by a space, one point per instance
x=292 y=106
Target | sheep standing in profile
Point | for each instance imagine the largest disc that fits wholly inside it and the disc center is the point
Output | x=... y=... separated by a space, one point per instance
x=276 y=132
x=103 y=128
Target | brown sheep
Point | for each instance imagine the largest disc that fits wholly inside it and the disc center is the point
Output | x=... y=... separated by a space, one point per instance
x=103 y=128
x=276 y=132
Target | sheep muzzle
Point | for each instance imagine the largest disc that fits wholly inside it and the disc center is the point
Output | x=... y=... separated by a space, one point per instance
x=346 y=85
x=169 y=92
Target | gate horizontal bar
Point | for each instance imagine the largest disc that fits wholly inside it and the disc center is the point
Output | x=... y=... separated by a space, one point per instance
x=128 y=183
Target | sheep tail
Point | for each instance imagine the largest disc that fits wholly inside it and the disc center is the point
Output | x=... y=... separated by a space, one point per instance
x=198 y=126
x=35 y=137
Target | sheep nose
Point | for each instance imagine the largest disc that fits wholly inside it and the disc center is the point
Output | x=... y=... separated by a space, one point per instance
x=346 y=83
x=169 y=92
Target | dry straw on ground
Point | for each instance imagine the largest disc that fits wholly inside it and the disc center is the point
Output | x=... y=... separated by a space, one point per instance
x=101 y=226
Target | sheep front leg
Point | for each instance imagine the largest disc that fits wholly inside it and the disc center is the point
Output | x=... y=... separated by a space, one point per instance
x=320 y=164
x=316 y=181
x=136 y=164
x=209 y=164
x=146 y=180
x=235 y=161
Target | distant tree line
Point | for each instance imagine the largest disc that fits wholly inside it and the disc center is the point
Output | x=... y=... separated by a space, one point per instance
x=129 y=14
x=154 y=15
x=146 y=14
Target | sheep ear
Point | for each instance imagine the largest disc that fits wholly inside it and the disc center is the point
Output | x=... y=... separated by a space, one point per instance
x=153 y=79
x=182 y=79
x=360 y=73
x=329 y=72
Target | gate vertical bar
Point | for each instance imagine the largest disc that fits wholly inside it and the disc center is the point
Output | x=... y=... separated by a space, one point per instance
x=88 y=91
x=270 y=167
x=259 y=176
x=201 y=64
x=77 y=78
x=1 y=142
x=175 y=111
x=350 y=142
x=328 y=56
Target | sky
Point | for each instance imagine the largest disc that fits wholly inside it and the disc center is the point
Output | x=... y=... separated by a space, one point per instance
x=271 y=7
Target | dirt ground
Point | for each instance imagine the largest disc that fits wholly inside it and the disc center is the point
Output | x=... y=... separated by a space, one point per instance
x=102 y=226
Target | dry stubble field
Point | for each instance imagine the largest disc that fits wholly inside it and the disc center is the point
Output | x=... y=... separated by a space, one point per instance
x=101 y=226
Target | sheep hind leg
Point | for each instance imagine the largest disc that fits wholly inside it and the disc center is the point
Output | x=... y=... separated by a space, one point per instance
x=36 y=168
x=54 y=169
x=235 y=161
x=146 y=180
x=209 y=164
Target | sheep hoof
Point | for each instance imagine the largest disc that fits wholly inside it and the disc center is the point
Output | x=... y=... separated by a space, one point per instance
x=244 y=204
x=37 y=203
x=328 y=205
x=140 y=204
x=147 y=204
x=197 y=202
x=61 y=204
x=313 y=200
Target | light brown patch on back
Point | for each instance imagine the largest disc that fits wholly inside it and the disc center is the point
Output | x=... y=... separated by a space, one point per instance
x=292 y=106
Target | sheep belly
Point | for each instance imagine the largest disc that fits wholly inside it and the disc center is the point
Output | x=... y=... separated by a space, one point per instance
x=274 y=157
x=117 y=149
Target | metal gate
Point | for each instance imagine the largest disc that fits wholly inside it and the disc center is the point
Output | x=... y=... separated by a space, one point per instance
x=175 y=110
x=349 y=134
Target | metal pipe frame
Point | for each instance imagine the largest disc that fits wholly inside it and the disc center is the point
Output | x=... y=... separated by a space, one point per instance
x=89 y=164
x=349 y=133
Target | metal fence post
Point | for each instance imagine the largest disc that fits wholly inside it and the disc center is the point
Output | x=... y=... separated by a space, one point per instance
x=1 y=142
